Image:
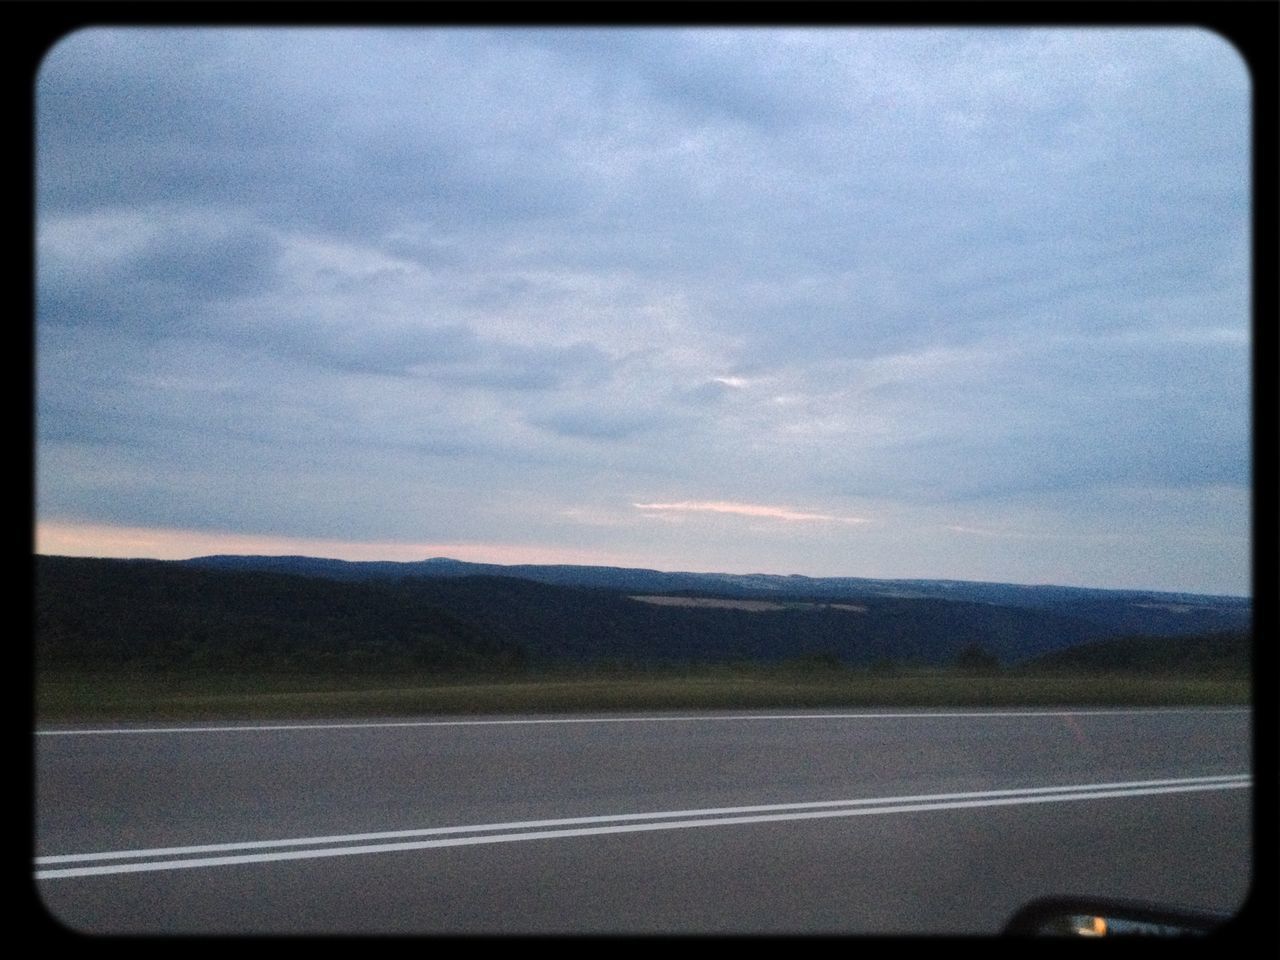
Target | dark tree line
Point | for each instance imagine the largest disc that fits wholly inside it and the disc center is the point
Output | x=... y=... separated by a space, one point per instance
x=92 y=614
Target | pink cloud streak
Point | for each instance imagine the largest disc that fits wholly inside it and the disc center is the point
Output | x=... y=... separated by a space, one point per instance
x=746 y=510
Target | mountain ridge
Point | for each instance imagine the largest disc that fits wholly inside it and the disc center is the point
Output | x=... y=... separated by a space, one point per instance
x=529 y=571
x=1117 y=610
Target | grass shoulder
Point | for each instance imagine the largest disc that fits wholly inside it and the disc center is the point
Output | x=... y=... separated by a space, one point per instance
x=75 y=696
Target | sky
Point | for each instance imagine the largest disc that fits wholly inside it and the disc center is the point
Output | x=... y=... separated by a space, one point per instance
x=968 y=304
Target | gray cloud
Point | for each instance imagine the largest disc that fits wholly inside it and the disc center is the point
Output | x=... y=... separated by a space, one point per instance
x=595 y=424
x=205 y=265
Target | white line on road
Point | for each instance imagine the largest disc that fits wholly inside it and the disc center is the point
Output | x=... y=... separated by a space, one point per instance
x=969 y=714
x=668 y=820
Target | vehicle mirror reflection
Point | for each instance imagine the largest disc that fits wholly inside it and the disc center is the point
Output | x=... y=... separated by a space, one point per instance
x=1063 y=917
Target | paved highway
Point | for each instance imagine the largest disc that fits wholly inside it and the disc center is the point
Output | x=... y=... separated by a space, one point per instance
x=856 y=822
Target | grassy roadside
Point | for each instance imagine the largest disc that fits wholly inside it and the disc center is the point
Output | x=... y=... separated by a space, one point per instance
x=91 y=697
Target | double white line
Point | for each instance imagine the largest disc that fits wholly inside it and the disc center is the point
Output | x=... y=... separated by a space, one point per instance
x=347 y=845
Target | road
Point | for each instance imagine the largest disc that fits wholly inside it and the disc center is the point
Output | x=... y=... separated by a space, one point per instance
x=857 y=822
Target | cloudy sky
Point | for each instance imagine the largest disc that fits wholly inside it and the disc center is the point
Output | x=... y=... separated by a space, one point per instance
x=966 y=304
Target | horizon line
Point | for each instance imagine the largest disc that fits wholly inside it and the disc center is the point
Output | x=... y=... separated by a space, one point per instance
x=651 y=569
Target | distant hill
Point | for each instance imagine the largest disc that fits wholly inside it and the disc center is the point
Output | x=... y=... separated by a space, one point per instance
x=1108 y=612
x=583 y=624
x=275 y=613
x=139 y=614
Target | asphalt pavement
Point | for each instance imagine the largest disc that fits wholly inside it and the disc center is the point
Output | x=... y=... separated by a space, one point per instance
x=862 y=822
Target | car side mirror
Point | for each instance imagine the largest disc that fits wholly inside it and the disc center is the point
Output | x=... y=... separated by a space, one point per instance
x=1099 y=917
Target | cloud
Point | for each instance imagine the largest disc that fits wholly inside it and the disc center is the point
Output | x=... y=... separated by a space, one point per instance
x=206 y=263
x=154 y=271
x=745 y=510
x=594 y=424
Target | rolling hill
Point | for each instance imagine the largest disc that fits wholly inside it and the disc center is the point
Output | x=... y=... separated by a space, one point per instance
x=276 y=613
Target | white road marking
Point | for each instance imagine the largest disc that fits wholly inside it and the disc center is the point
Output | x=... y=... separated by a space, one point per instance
x=975 y=714
x=575 y=826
